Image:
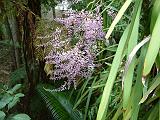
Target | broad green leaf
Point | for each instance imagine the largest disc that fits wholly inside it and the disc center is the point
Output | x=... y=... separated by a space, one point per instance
x=5 y=100
x=2 y=115
x=111 y=78
x=19 y=95
x=118 y=17
x=2 y=104
x=14 y=89
x=21 y=117
x=13 y=102
x=153 y=48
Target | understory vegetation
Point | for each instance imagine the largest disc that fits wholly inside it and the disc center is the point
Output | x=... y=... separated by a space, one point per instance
x=79 y=60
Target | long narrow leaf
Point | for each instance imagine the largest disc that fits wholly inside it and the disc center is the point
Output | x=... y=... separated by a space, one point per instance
x=153 y=86
x=155 y=12
x=89 y=98
x=153 y=48
x=118 y=17
x=138 y=87
x=132 y=38
x=111 y=78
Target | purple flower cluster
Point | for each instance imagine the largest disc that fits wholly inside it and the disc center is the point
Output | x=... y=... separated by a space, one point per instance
x=88 y=23
x=78 y=60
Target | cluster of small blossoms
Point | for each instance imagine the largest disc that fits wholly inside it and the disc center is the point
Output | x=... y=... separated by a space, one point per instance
x=77 y=61
x=83 y=22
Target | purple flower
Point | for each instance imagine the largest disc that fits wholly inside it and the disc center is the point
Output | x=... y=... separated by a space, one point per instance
x=78 y=60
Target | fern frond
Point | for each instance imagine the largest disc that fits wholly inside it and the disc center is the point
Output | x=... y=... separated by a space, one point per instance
x=59 y=105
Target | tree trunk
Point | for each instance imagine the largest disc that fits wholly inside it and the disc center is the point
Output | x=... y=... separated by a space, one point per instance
x=27 y=25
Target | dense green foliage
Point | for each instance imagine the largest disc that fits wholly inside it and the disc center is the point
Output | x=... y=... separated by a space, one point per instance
x=125 y=84
x=8 y=99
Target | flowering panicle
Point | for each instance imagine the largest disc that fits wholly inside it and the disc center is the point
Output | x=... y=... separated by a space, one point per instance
x=72 y=61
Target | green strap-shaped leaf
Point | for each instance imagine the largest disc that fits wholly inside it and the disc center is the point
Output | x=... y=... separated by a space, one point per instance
x=132 y=38
x=89 y=98
x=154 y=113
x=111 y=78
x=153 y=86
x=155 y=12
x=133 y=103
x=158 y=61
x=118 y=113
x=118 y=17
x=153 y=48
x=138 y=87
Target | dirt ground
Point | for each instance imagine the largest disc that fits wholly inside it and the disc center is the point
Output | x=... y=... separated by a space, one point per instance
x=5 y=63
